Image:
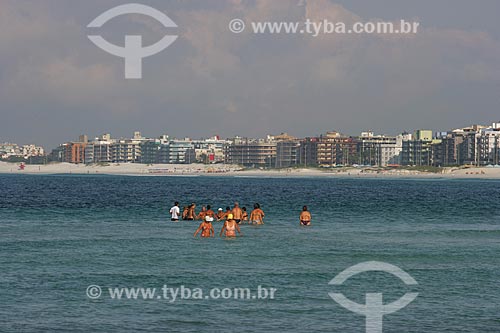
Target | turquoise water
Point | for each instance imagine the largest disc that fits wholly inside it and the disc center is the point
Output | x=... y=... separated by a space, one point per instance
x=62 y=233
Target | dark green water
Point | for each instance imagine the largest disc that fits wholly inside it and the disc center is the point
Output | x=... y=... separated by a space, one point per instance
x=60 y=234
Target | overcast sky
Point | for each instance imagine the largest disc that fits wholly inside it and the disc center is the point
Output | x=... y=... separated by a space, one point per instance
x=55 y=84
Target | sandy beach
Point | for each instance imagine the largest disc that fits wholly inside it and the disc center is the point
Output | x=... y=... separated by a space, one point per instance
x=235 y=170
x=118 y=169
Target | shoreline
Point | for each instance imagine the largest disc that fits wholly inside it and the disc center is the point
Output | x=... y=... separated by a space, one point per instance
x=135 y=169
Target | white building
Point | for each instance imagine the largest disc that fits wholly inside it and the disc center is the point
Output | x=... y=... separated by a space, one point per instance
x=489 y=144
x=9 y=149
x=104 y=149
x=377 y=150
x=397 y=159
x=99 y=150
x=126 y=151
x=32 y=151
x=180 y=152
x=210 y=150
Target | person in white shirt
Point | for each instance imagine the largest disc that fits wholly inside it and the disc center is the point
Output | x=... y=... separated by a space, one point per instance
x=175 y=211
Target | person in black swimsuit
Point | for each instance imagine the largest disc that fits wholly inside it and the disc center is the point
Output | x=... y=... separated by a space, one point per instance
x=305 y=217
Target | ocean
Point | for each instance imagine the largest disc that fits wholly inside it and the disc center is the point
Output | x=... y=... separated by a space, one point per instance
x=60 y=234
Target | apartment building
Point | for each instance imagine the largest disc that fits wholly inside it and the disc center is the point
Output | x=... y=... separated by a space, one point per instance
x=126 y=151
x=9 y=149
x=73 y=152
x=251 y=152
x=180 y=152
x=32 y=151
x=335 y=149
x=287 y=153
x=418 y=151
x=378 y=150
x=489 y=145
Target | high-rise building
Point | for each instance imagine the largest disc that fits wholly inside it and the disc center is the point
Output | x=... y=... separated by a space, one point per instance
x=446 y=152
x=335 y=149
x=210 y=150
x=126 y=151
x=9 y=149
x=99 y=150
x=287 y=154
x=377 y=150
x=150 y=151
x=328 y=150
x=74 y=152
x=468 y=149
x=489 y=145
x=308 y=152
x=252 y=153
x=418 y=151
x=180 y=152
x=32 y=151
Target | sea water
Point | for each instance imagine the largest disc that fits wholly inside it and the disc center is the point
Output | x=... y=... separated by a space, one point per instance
x=60 y=234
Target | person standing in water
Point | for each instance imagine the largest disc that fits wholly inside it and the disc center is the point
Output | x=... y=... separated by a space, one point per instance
x=175 y=212
x=226 y=213
x=202 y=214
x=245 y=214
x=185 y=211
x=237 y=213
x=257 y=215
x=220 y=214
x=305 y=217
x=230 y=227
x=206 y=228
x=210 y=212
x=191 y=215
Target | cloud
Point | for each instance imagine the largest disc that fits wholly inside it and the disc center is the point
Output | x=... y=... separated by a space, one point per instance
x=231 y=108
x=211 y=80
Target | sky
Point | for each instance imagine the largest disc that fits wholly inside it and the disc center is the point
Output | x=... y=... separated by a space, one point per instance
x=55 y=84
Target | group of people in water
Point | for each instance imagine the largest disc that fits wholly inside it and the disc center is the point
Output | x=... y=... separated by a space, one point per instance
x=232 y=217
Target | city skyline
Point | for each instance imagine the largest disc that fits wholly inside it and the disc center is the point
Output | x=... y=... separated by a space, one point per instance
x=470 y=145
x=131 y=134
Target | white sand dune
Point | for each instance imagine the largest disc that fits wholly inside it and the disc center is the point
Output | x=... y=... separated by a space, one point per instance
x=234 y=170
